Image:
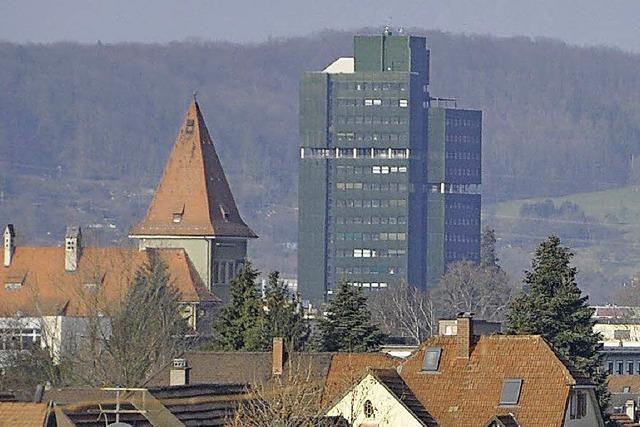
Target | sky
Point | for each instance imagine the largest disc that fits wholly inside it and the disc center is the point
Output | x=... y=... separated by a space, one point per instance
x=612 y=23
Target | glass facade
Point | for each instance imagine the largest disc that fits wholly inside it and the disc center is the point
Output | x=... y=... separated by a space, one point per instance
x=374 y=197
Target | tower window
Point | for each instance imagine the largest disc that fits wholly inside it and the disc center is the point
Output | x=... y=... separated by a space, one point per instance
x=189 y=127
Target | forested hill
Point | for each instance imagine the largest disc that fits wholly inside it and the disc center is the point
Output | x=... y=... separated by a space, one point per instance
x=85 y=129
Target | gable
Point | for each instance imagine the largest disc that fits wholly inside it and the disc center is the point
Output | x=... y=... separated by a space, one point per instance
x=369 y=401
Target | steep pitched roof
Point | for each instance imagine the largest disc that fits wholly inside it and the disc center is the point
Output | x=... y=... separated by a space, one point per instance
x=193 y=197
x=467 y=391
x=19 y=414
x=47 y=289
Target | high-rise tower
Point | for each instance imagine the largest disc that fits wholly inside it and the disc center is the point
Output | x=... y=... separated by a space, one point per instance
x=193 y=208
x=388 y=185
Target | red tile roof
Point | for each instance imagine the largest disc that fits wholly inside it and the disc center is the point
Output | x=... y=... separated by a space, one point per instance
x=617 y=383
x=195 y=188
x=20 y=414
x=47 y=289
x=466 y=392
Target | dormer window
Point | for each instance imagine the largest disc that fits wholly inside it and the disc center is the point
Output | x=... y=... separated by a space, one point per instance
x=14 y=282
x=177 y=213
x=12 y=286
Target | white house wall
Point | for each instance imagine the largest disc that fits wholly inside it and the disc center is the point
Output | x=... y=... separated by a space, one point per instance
x=388 y=410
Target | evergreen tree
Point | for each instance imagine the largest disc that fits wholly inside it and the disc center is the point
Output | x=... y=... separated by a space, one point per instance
x=488 y=256
x=348 y=325
x=555 y=308
x=284 y=317
x=240 y=324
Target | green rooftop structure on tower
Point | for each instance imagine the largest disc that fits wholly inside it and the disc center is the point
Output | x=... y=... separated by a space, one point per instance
x=389 y=176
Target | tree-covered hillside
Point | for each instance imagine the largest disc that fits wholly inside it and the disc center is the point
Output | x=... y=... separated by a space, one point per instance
x=85 y=129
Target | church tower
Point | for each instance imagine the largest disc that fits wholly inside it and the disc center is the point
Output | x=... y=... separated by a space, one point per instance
x=193 y=208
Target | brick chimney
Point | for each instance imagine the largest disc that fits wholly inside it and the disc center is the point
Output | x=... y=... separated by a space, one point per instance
x=464 y=337
x=278 y=356
x=179 y=373
x=9 y=244
x=72 y=247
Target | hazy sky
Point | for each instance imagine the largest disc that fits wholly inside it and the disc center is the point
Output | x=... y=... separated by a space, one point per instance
x=583 y=22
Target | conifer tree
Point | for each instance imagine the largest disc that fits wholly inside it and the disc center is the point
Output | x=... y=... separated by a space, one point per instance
x=555 y=308
x=488 y=256
x=240 y=324
x=348 y=325
x=284 y=316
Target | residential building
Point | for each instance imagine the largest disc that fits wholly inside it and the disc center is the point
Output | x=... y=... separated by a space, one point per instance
x=389 y=176
x=192 y=224
x=619 y=328
x=470 y=380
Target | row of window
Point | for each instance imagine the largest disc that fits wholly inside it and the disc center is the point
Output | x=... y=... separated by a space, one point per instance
x=463 y=171
x=461 y=155
x=444 y=188
x=374 y=203
x=369 y=270
x=379 y=253
x=19 y=339
x=354 y=153
x=462 y=206
x=461 y=221
x=376 y=120
x=371 y=220
x=370 y=86
x=453 y=255
x=224 y=271
x=372 y=102
x=460 y=238
x=372 y=186
x=467 y=139
x=368 y=284
x=370 y=236
x=621 y=367
x=454 y=121
x=372 y=136
x=376 y=170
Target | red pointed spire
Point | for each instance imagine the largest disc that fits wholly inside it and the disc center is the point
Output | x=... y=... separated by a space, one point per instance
x=193 y=197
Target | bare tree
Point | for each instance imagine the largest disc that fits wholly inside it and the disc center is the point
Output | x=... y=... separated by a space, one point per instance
x=467 y=286
x=406 y=311
x=292 y=400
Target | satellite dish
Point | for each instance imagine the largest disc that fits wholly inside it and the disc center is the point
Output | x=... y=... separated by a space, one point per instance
x=119 y=425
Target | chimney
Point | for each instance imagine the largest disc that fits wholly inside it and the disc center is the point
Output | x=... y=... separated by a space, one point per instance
x=464 y=337
x=630 y=409
x=9 y=244
x=72 y=247
x=179 y=373
x=278 y=356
